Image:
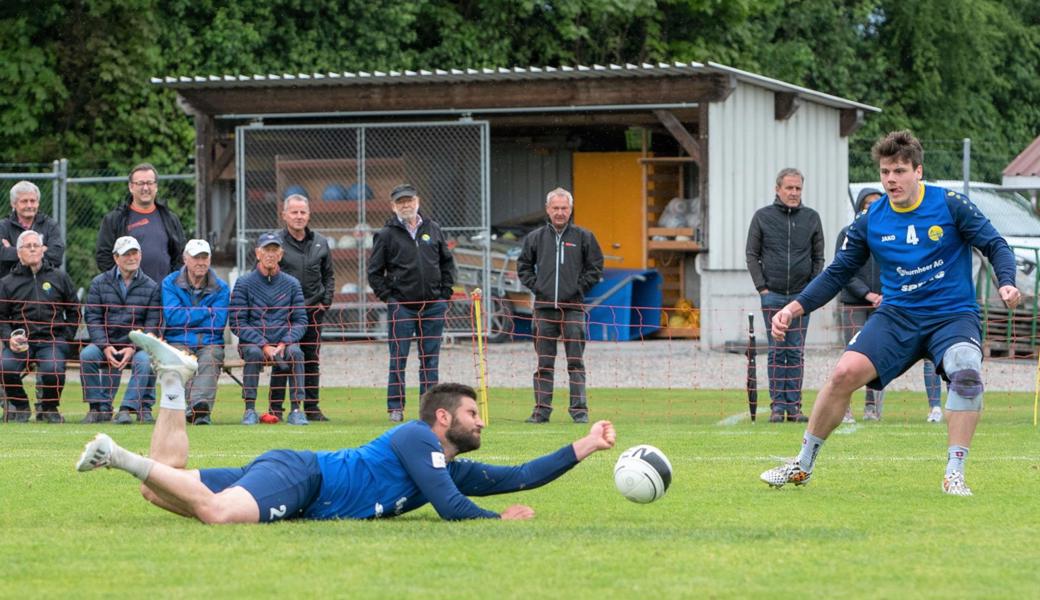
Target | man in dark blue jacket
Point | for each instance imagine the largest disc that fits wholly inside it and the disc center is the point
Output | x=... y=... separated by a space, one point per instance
x=195 y=311
x=405 y=468
x=268 y=315
x=560 y=262
x=119 y=301
x=412 y=270
x=38 y=318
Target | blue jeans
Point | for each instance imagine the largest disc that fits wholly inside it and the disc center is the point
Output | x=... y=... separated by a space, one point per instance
x=100 y=381
x=425 y=319
x=50 y=371
x=786 y=358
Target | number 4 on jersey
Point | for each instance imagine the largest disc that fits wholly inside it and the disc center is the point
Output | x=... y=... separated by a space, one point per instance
x=911 y=235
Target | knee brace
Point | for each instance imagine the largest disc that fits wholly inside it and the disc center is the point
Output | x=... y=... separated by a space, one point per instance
x=962 y=364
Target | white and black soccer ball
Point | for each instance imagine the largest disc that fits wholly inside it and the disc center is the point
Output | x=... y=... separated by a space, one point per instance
x=642 y=474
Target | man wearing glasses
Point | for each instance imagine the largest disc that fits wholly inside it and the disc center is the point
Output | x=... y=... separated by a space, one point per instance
x=157 y=229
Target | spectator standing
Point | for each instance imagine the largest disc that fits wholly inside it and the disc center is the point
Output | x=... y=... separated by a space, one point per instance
x=157 y=229
x=859 y=298
x=38 y=319
x=195 y=311
x=413 y=271
x=267 y=315
x=26 y=215
x=119 y=301
x=784 y=252
x=560 y=262
x=308 y=258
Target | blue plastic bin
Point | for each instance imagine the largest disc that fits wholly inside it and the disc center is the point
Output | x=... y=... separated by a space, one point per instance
x=626 y=305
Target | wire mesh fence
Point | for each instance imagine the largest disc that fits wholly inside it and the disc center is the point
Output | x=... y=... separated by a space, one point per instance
x=347 y=172
x=78 y=200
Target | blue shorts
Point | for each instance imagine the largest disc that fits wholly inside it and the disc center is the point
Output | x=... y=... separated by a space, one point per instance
x=894 y=340
x=283 y=482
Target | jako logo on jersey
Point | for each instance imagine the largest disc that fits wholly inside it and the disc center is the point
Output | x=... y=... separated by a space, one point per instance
x=277 y=513
x=935 y=233
x=437 y=458
x=570 y=244
x=888 y=238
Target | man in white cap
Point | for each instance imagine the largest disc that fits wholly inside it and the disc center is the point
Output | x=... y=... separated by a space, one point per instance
x=195 y=311
x=119 y=300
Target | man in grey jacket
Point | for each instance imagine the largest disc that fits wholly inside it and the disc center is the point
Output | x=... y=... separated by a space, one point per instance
x=784 y=252
x=560 y=262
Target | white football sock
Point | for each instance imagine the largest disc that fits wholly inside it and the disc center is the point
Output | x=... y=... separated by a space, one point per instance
x=172 y=390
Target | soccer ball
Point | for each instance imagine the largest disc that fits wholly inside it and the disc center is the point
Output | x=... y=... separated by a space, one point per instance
x=642 y=474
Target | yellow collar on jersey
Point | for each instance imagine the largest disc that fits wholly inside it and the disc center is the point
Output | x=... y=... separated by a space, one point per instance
x=920 y=198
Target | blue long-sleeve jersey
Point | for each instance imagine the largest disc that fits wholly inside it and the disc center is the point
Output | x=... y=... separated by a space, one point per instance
x=405 y=468
x=923 y=253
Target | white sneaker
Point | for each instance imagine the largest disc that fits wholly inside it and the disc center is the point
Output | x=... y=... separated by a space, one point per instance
x=96 y=454
x=789 y=472
x=164 y=356
x=953 y=484
x=935 y=415
x=848 y=419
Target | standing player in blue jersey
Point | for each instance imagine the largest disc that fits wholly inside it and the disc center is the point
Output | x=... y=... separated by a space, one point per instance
x=921 y=238
x=403 y=469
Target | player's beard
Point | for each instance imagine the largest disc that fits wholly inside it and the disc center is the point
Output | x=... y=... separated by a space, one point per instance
x=463 y=440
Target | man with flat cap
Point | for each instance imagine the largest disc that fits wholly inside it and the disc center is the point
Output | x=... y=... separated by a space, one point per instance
x=412 y=270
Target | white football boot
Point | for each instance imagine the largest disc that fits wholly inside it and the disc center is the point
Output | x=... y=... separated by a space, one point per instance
x=165 y=358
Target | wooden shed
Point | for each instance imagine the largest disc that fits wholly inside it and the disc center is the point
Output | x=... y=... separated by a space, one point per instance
x=627 y=139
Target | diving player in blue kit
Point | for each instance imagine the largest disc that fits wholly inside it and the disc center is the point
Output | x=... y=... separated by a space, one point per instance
x=398 y=472
x=921 y=238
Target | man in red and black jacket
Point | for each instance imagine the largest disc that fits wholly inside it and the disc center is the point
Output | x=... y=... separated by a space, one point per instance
x=155 y=227
x=560 y=262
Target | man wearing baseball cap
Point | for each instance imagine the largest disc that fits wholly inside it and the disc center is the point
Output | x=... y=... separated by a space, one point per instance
x=195 y=311
x=120 y=300
x=268 y=315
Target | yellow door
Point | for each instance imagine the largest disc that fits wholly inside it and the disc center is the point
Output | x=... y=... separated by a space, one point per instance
x=607 y=201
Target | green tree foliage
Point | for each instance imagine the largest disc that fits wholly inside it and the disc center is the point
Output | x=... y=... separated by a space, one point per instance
x=77 y=71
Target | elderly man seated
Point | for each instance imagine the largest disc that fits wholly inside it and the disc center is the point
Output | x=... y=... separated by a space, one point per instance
x=195 y=312
x=269 y=318
x=120 y=300
x=38 y=318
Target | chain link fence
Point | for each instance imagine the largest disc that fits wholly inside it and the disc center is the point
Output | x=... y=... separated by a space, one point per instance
x=79 y=198
x=347 y=173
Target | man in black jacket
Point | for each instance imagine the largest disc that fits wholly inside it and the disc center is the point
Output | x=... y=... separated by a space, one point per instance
x=118 y=302
x=306 y=257
x=38 y=319
x=412 y=270
x=785 y=248
x=26 y=215
x=560 y=262
x=157 y=229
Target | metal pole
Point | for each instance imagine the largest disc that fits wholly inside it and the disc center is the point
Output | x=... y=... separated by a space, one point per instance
x=966 y=164
x=63 y=203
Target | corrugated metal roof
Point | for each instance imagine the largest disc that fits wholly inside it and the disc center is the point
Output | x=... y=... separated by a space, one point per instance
x=1026 y=164
x=406 y=77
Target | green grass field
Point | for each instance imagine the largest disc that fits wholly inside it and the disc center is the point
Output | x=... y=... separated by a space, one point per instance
x=873 y=523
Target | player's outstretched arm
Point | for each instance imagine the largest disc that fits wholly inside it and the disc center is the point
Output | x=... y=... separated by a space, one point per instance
x=517 y=512
x=601 y=437
x=783 y=317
